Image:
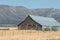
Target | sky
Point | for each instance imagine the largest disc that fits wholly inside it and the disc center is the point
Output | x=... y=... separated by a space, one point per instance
x=32 y=3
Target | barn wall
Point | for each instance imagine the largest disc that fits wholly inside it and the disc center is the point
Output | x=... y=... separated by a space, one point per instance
x=43 y=27
x=56 y=28
x=30 y=25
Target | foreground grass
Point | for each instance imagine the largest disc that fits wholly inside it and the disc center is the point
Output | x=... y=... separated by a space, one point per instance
x=28 y=35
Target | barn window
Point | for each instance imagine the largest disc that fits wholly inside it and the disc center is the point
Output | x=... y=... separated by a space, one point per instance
x=33 y=25
x=25 y=24
x=29 y=26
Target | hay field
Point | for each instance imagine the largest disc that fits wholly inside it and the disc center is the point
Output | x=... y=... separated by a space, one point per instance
x=28 y=35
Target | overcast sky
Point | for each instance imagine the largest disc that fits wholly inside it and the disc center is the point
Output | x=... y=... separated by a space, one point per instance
x=32 y=3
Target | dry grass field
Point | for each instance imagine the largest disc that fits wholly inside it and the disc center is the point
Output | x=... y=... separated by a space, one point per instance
x=28 y=35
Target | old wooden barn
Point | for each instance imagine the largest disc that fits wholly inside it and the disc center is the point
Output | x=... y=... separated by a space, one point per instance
x=33 y=22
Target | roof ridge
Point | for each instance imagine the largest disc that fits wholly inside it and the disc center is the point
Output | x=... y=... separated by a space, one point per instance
x=41 y=16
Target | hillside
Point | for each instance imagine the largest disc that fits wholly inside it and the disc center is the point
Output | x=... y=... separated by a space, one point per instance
x=16 y=14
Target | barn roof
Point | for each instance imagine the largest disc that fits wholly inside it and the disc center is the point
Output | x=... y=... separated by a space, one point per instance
x=45 y=20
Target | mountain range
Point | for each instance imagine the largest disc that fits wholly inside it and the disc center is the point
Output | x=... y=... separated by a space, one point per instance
x=16 y=14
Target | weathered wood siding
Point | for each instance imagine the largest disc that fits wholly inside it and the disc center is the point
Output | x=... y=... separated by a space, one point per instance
x=29 y=24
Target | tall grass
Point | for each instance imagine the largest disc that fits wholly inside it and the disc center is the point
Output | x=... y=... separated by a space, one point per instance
x=28 y=35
